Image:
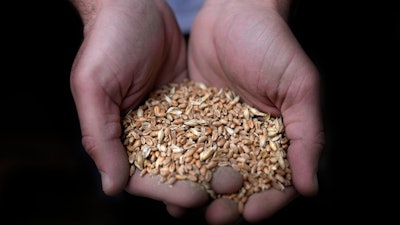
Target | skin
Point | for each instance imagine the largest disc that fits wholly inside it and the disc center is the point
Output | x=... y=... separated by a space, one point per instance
x=248 y=47
x=131 y=47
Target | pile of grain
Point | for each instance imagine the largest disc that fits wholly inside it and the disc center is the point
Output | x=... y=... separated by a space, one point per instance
x=184 y=131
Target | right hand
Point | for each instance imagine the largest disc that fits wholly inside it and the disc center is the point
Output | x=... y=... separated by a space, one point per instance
x=129 y=48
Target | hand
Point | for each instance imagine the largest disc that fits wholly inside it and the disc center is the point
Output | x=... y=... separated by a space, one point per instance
x=248 y=47
x=129 y=48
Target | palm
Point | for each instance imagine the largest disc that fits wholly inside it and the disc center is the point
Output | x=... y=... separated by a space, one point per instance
x=251 y=51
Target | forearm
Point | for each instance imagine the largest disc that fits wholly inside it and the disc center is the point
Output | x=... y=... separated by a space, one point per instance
x=89 y=10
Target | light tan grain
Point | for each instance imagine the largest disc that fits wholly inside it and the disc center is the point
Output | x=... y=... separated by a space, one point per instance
x=184 y=131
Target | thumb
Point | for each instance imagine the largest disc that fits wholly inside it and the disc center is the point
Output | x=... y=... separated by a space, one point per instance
x=100 y=125
x=111 y=161
x=305 y=131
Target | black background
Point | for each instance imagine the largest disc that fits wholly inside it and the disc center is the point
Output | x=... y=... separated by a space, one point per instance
x=47 y=178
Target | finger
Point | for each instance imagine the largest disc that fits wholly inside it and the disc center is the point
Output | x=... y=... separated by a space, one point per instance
x=222 y=211
x=264 y=204
x=304 y=129
x=184 y=194
x=176 y=211
x=187 y=214
x=304 y=166
x=107 y=152
x=226 y=180
x=101 y=130
x=111 y=163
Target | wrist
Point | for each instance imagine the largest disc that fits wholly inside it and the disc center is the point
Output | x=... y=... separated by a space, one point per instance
x=86 y=9
x=282 y=7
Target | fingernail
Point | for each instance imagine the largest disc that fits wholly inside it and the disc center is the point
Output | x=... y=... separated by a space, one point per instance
x=105 y=182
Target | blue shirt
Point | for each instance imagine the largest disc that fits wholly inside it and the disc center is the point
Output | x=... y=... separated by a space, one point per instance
x=185 y=12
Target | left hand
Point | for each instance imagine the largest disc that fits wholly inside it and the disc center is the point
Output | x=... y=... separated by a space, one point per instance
x=249 y=47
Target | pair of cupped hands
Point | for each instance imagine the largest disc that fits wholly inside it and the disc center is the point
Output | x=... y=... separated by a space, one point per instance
x=131 y=47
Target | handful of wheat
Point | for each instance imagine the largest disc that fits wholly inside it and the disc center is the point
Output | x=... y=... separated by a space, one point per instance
x=184 y=131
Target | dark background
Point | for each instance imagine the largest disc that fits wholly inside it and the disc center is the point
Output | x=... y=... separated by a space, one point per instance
x=47 y=178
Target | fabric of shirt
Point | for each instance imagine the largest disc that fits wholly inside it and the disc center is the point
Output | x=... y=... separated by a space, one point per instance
x=185 y=12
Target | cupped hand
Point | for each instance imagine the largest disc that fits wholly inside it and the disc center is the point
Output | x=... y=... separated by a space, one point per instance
x=249 y=47
x=129 y=48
